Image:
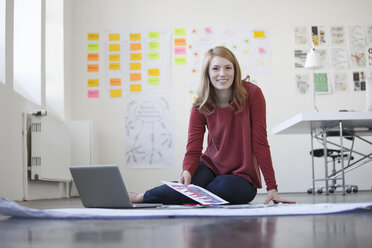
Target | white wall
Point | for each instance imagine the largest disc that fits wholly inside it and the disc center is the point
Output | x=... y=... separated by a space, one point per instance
x=290 y=153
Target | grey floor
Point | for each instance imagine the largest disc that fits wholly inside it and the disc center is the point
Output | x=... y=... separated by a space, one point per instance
x=352 y=229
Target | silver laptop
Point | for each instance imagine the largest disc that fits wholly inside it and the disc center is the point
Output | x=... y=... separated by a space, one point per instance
x=101 y=186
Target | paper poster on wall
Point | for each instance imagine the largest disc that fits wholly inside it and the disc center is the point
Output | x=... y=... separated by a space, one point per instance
x=358 y=57
x=340 y=82
x=301 y=36
x=300 y=58
x=302 y=81
x=357 y=36
x=339 y=58
x=338 y=35
x=321 y=83
x=318 y=34
x=148 y=128
x=359 y=80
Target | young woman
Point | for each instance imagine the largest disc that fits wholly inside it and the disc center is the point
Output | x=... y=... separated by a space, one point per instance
x=234 y=112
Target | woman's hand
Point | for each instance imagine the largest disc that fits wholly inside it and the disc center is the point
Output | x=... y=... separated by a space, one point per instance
x=272 y=195
x=185 y=177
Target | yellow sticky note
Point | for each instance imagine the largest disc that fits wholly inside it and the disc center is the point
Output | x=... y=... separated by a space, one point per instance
x=114 y=37
x=179 y=32
x=135 y=56
x=114 y=66
x=93 y=82
x=114 y=47
x=135 y=36
x=154 y=35
x=135 y=88
x=180 y=42
x=180 y=60
x=135 y=66
x=259 y=34
x=93 y=36
x=115 y=93
x=135 y=46
x=135 y=77
x=92 y=67
x=153 y=56
x=154 y=72
x=114 y=57
x=93 y=46
x=153 y=81
x=154 y=45
x=93 y=56
x=115 y=81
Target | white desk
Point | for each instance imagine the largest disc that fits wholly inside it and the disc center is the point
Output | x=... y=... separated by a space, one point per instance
x=317 y=124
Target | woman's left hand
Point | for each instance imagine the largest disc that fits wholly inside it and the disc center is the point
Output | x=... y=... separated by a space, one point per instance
x=272 y=195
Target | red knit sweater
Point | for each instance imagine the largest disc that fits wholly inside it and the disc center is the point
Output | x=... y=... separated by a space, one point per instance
x=237 y=143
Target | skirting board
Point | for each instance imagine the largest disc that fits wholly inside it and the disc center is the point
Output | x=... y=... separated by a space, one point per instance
x=12 y=209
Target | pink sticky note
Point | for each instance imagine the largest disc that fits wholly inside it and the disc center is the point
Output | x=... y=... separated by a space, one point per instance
x=180 y=50
x=261 y=50
x=208 y=30
x=93 y=93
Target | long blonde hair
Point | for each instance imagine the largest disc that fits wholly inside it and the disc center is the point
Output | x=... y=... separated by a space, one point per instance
x=206 y=101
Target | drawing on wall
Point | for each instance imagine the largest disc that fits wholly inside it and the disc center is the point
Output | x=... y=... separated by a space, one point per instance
x=357 y=36
x=340 y=82
x=338 y=35
x=339 y=58
x=358 y=57
x=301 y=36
x=149 y=131
x=321 y=83
x=302 y=83
x=318 y=35
x=359 y=79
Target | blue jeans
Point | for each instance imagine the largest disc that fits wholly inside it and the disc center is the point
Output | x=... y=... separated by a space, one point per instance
x=232 y=188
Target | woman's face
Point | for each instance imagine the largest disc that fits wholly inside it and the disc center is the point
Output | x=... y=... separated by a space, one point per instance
x=221 y=73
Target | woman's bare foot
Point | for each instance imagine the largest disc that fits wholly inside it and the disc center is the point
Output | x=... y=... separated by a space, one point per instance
x=135 y=197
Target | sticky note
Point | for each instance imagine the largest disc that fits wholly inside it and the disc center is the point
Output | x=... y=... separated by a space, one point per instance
x=180 y=50
x=115 y=81
x=114 y=47
x=93 y=36
x=114 y=66
x=114 y=37
x=93 y=56
x=135 y=46
x=259 y=34
x=180 y=41
x=154 y=72
x=135 y=36
x=154 y=35
x=114 y=57
x=93 y=46
x=92 y=67
x=115 y=93
x=93 y=93
x=180 y=60
x=154 y=45
x=93 y=82
x=153 y=81
x=208 y=30
x=261 y=50
x=135 y=66
x=153 y=56
x=179 y=32
x=135 y=77
x=135 y=88
x=135 y=56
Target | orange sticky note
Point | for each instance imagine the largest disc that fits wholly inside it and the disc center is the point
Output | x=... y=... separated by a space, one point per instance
x=114 y=37
x=115 y=81
x=135 y=66
x=114 y=47
x=114 y=57
x=93 y=82
x=93 y=56
x=154 y=72
x=92 y=67
x=179 y=41
x=115 y=93
x=93 y=36
x=135 y=88
x=135 y=36
x=135 y=77
x=135 y=56
x=135 y=46
x=114 y=66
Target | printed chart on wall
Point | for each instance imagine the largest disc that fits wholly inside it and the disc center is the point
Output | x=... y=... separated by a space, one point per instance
x=250 y=46
x=149 y=131
x=137 y=60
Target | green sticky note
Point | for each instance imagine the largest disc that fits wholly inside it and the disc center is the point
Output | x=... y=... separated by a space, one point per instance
x=154 y=35
x=154 y=45
x=180 y=60
x=93 y=46
x=153 y=81
x=179 y=32
x=154 y=56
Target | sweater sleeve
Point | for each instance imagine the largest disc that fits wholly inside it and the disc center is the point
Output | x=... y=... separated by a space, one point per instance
x=195 y=141
x=260 y=145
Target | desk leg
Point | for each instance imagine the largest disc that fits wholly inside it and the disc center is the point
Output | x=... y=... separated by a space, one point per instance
x=312 y=159
x=325 y=160
x=342 y=159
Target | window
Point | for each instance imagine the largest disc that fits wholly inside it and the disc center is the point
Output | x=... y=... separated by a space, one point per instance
x=27 y=65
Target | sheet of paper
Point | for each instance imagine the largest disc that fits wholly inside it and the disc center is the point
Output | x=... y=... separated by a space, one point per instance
x=197 y=193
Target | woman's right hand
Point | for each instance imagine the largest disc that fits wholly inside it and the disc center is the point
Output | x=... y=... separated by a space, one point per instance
x=185 y=177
